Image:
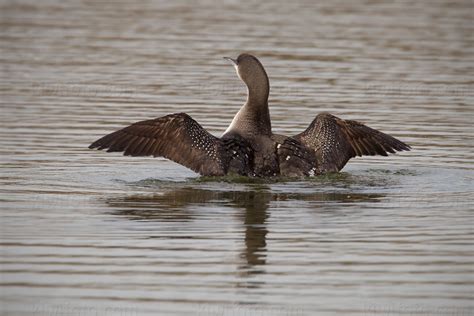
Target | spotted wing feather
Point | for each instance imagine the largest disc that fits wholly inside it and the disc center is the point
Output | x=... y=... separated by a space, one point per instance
x=335 y=141
x=295 y=159
x=238 y=154
x=176 y=136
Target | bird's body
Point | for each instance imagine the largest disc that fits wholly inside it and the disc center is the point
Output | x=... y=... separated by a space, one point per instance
x=248 y=147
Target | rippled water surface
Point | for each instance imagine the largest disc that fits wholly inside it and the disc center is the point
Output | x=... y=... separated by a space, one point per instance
x=89 y=233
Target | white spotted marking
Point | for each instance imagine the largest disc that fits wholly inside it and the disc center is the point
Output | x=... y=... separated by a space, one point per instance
x=278 y=146
x=287 y=158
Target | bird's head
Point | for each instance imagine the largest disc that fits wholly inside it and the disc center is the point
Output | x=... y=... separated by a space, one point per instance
x=251 y=72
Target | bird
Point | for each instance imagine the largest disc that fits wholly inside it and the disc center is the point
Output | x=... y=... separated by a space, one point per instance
x=249 y=147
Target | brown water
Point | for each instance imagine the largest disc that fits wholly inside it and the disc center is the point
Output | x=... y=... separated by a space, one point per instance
x=89 y=233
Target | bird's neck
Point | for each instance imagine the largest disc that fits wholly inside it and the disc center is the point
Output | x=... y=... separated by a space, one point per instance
x=253 y=118
x=255 y=109
x=257 y=92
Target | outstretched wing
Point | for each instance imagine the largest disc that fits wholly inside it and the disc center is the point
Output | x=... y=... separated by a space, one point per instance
x=176 y=136
x=335 y=141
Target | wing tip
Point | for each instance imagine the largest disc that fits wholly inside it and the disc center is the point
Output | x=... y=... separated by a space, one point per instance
x=99 y=145
x=94 y=145
x=403 y=146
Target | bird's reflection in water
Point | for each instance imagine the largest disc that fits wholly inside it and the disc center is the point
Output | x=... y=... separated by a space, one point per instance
x=254 y=217
x=176 y=205
x=179 y=204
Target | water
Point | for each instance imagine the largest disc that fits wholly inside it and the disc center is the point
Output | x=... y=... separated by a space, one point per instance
x=85 y=232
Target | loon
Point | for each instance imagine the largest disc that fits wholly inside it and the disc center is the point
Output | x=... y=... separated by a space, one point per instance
x=249 y=147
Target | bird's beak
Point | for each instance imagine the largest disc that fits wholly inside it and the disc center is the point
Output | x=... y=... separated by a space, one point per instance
x=234 y=61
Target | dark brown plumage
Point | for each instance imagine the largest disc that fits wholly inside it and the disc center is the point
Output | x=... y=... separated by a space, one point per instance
x=177 y=137
x=335 y=141
x=248 y=147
